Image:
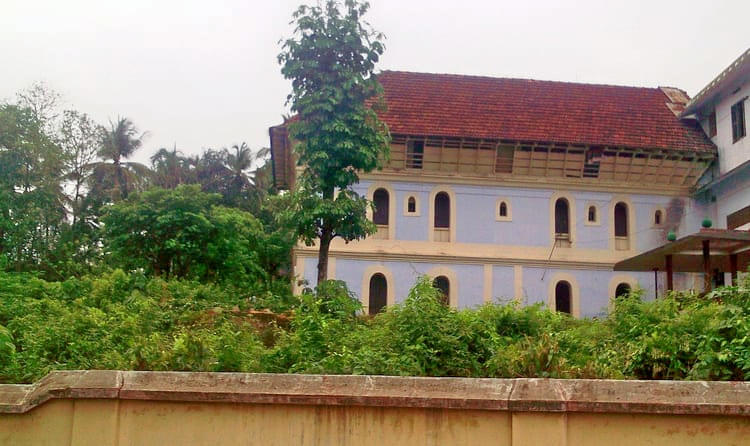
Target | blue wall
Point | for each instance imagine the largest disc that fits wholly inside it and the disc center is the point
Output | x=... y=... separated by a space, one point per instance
x=530 y=226
x=593 y=286
x=475 y=208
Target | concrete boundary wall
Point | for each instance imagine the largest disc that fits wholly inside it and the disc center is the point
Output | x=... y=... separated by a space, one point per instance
x=161 y=408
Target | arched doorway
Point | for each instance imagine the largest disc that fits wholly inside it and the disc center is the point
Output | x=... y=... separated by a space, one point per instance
x=563 y=297
x=378 y=294
x=444 y=286
x=622 y=290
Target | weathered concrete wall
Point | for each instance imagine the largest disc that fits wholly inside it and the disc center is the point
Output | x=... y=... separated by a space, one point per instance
x=148 y=408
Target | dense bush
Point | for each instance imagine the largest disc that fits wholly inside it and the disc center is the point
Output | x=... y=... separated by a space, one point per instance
x=185 y=233
x=128 y=321
x=122 y=321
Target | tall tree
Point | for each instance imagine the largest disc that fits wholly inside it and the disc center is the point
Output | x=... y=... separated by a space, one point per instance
x=171 y=168
x=239 y=161
x=115 y=175
x=80 y=138
x=42 y=102
x=32 y=202
x=330 y=60
x=244 y=185
x=230 y=173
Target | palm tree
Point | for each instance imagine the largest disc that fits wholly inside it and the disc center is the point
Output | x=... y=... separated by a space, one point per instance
x=243 y=183
x=171 y=168
x=238 y=163
x=211 y=171
x=119 y=143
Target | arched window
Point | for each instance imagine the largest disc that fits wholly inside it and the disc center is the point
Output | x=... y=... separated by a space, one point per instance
x=442 y=210
x=382 y=201
x=442 y=217
x=562 y=297
x=657 y=217
x=621 y=220
x=381 y=215
x=503 y=210
x=592 y=214
x=444 y=286
x=378 y=293
x=621 y=226
x=622 y=290
x=411 y=205
x=562 y=223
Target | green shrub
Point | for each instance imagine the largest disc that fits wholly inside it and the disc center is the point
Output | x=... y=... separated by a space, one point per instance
x=121 y=321
x=129 y=321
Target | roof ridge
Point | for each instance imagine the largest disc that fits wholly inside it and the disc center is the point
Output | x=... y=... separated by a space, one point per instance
x=479 y=76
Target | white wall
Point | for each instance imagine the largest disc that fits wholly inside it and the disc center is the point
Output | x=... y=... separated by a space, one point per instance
x=731 y=154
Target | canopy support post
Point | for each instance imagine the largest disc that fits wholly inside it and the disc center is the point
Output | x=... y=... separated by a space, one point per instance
x=656 y=283
x=733 y=268
x=706 y=266
x=670 y=278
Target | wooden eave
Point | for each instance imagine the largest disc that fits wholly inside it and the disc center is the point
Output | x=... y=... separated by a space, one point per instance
x=507 y=158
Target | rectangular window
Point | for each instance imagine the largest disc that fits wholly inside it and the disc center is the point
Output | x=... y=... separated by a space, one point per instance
x=712 y=124
x=738 y=120
x=414 y=154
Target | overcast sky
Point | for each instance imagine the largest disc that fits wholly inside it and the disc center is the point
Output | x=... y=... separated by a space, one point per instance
x=204 y=73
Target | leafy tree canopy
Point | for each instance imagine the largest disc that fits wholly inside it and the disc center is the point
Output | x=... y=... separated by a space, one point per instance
x=185 y=233
x=331 y=61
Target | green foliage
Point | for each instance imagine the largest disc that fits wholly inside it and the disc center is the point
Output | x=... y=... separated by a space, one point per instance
x=331 y=61
x=32 y=211
x=323 y=320
x=129 y=321
x=7 y=353
x=687 y=336
x=184 y=233
x=120 y=321
x=60 y=172
x=680 y=337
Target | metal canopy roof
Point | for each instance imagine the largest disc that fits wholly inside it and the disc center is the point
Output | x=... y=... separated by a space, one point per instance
x=687 y=254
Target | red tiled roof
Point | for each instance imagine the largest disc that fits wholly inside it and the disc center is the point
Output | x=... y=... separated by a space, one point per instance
x=530 y=110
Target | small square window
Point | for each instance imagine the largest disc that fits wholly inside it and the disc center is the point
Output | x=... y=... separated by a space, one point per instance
x=738 y=121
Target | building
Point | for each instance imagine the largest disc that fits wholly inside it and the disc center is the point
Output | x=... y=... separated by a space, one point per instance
x=721 y=110
x=504 y=189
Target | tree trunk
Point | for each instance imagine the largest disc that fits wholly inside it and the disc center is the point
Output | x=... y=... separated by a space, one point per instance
x=122 y=183
x=325 y=243
x=76 y=198
x=326 y=235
